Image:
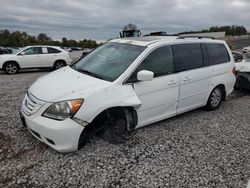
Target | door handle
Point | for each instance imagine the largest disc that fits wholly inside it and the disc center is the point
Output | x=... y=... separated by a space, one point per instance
x=172 y=82
x=186 y=79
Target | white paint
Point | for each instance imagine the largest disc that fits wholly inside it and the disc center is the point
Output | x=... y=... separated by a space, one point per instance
x=155 y=100
x=36 y=60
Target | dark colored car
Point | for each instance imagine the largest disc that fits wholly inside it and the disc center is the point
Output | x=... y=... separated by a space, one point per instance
x=5 y=51
x=76 y=48
x=86 y=51
x=238 y=57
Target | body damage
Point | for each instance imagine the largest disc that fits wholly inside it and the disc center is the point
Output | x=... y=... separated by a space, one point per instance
x=243 y=75
x=98 y=95
x=110 y=97
x=110 y=104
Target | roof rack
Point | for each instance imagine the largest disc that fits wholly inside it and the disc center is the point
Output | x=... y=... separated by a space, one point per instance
x=199 y=37
x=160 y=33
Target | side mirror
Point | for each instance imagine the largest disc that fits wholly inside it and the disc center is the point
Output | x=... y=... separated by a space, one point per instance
x=21 y=53
x=145 y=75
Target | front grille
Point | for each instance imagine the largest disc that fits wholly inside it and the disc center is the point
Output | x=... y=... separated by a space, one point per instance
x=31 y=104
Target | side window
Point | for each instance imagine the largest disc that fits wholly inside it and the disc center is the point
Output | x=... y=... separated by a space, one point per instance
x=33 y=51
x=160 y=62
x=217 y=53
x=53 y=50
x=187 y=56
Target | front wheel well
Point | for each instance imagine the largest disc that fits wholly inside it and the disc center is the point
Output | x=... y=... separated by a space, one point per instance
x=5 y=63
x=60 y=60
x=128 y=113
x=126 y=117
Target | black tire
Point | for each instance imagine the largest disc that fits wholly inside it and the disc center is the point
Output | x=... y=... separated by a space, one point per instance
x=59 y=64
x=11 y=68
x=215 y=99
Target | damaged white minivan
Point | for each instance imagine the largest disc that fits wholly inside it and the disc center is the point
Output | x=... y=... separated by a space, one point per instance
x=126 y=84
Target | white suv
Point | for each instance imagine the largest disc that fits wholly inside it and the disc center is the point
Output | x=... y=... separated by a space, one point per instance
x=35 y=57
x=127 y=84
x=246 y=49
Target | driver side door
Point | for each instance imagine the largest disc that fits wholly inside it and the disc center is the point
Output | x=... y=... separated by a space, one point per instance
x=158 y=97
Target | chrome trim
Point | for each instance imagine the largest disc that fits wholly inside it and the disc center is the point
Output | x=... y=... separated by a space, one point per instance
x=81 y=122
x=31 y=104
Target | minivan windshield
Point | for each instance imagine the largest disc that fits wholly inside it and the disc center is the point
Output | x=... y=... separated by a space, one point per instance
x=109 y=61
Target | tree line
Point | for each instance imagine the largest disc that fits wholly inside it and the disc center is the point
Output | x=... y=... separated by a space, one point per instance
x=20 y=39
x=233 y=30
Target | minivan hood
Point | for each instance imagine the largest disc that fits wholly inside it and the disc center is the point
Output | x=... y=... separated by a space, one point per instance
x=65 y=84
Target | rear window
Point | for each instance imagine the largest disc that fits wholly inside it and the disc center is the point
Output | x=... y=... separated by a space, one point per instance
x=217 y=53
x=53 y=51
x=187 y=56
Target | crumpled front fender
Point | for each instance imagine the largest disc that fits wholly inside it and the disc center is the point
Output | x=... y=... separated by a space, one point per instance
x=118 y=96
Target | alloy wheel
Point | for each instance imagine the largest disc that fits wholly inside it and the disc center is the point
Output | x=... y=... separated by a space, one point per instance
x=216 y=97
x=11 y=69
x=59 y=65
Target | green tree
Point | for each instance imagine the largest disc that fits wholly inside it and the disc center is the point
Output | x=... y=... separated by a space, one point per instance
x=230 y=30
x=19 y=39
x=64 y=42
x=43 y=39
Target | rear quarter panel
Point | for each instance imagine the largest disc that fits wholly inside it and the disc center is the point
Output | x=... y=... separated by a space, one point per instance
x=223 y=73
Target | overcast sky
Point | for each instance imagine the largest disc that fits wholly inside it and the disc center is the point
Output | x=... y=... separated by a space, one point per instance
x=103 y=19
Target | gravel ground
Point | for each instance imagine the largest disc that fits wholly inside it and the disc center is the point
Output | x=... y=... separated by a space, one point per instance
x=196 y=149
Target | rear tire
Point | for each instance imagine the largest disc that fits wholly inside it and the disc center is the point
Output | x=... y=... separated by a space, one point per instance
x=59 y=64
x=215 y=99
x=11 y=68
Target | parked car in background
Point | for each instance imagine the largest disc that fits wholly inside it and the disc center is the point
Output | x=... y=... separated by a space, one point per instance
x=15 y=49
x=67 y=49
x=238 y=57
x=86 y=51
x=246 y=49
x=5 y=50
x=35 y=57
x=75 y=48
x=135 y=82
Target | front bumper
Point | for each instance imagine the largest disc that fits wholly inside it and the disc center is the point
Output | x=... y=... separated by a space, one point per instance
x=63 y=136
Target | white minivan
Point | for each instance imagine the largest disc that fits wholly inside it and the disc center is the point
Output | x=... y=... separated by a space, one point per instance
x=126 y=84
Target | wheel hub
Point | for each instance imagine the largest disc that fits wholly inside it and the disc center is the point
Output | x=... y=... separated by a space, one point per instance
x=11 y=69
x=216 y=97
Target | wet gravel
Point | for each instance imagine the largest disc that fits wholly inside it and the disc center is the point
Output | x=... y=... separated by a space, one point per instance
x=196 y=149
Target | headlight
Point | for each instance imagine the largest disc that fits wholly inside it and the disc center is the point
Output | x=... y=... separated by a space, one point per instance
x=63 y=110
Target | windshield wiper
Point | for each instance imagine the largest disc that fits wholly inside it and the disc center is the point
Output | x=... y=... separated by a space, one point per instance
x=89 y=73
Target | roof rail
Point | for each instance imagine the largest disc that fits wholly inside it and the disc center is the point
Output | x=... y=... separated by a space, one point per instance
x=160 y=34
x=199 y=37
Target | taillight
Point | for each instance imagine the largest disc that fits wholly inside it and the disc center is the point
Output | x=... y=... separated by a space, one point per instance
x=234 y=71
